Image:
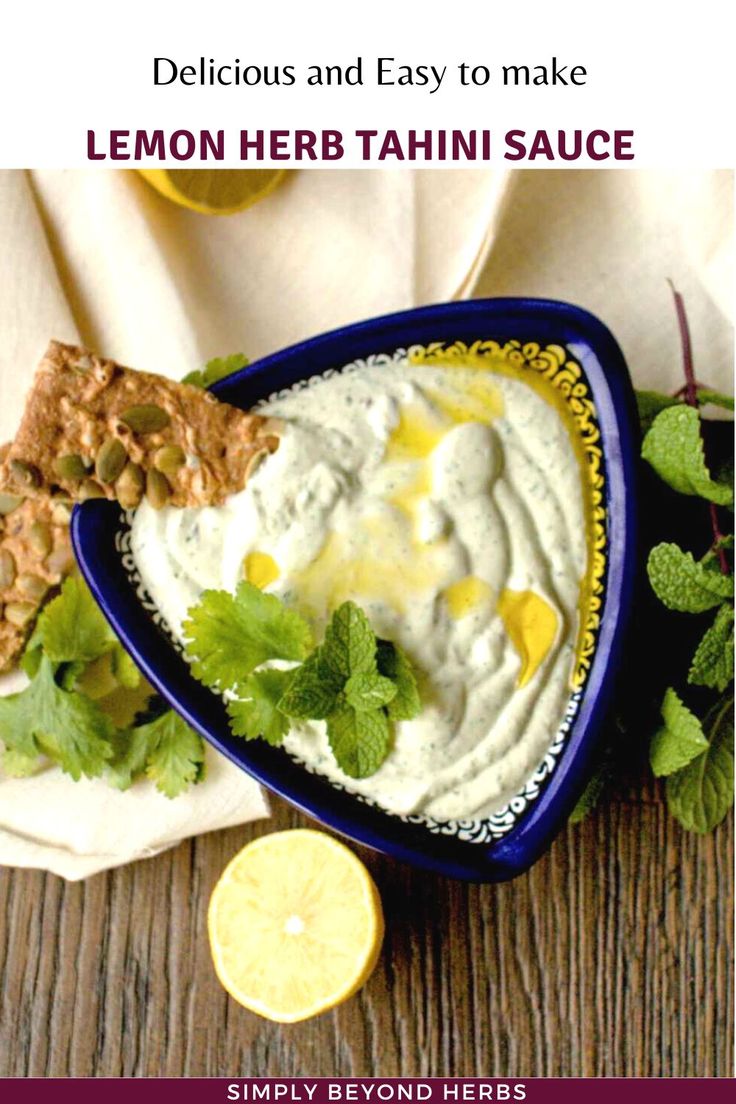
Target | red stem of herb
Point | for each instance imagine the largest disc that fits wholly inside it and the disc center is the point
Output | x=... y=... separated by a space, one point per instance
x=690 y=391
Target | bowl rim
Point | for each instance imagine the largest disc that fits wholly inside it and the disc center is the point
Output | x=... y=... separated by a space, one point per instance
x=94 y=525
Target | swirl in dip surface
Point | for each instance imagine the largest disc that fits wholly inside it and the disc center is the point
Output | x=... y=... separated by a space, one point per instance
x=447 y=501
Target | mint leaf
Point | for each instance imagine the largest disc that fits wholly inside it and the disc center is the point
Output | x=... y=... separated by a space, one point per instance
x=394 y=663
x=260 y=713
x=674 y=448
x=715 y=398
x=649 y=404
x=680 y=740
x=700 y=795
x=72 y=626
x=67 y=727
x=349 y=646
x=367 y=691
x=228 y=636
x=216 y=369
x=313 y=689
x=359 y=741
x=712 y=663
x=684 y=584
x=591 y=795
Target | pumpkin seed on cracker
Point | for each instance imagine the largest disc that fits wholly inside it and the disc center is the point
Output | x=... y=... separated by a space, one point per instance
x=32 y=586
x=20 y=614
x=111 y=460
x=71 y=466
x=9 y=502
x=169 y=458
x=25 y=474
x=146 y=418
x=121 y=417
x=158 y=488
x=130 y=486
x=40 y=539
x=35 y=555
x=8 y=568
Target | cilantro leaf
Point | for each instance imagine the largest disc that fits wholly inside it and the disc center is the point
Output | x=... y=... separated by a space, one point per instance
x=67 y=727
x=130 y=754
x=712 y=663
x=679 y=741
x=228 y=636
x=683 y=584
x=123 y=667
x=394 y=663
x=649 y=404
x=166 y=750
x=674 y=448
x=700 y=794
x=367 y=691
x=216 y=369
x=18 y=765
x=350 y=644
x=72 y=627
x=312 y=690
x=260 y=713
x=359 y=741
x=175 y=755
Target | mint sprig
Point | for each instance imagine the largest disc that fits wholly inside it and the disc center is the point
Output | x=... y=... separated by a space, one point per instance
x=674 y=448
x=712 y=663
x=353 y=682
x=685 y=584
x=679 y=741
x=692 y=747
x=700 y=794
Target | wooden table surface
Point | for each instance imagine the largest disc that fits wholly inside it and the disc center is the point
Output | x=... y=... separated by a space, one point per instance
x=613 y=956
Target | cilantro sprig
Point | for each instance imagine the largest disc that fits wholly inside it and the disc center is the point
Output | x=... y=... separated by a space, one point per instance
x=81 y=680
x=353 y=681
x=216 y=369
x=691 y=746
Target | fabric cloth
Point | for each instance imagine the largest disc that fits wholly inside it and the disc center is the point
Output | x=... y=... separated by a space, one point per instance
x=98 y=256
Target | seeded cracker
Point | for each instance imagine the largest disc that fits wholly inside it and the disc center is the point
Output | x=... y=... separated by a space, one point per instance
x=95 y=429
x=35 y=555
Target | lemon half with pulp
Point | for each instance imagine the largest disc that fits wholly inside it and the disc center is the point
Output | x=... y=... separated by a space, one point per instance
x=214 y=191
x=295 y=925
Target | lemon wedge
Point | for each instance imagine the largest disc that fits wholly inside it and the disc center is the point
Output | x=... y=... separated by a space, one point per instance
x=295 y=925
x=214 y=191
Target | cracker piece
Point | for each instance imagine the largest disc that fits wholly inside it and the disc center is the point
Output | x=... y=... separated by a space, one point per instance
x=35 y=555
x=95 y=429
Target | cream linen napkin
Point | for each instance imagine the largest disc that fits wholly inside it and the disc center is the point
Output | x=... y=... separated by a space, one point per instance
x=98 y=256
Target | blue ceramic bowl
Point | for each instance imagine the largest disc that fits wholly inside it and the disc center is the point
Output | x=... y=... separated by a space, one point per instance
x=579 y=355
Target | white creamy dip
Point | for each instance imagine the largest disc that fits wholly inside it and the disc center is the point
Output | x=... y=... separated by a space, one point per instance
x=448 y=503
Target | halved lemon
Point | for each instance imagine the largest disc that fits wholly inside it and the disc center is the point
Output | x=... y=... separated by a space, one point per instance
x=214 y=191
x=295 y=925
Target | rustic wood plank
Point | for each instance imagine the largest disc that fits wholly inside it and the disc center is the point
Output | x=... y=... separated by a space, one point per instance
x=613 y=956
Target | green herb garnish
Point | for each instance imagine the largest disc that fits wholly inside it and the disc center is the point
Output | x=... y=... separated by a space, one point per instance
x=231 y=634
x=81 y=681
x=693 y=746
x=215 y=370
x=353 y=681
